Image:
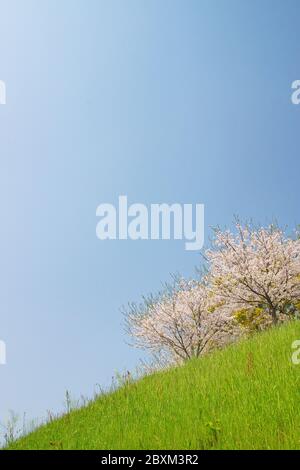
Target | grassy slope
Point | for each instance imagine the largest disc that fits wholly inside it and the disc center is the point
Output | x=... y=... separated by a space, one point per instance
x=245 y=397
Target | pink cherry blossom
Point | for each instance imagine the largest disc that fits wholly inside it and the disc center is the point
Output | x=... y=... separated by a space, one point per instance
x=182 y=324
x=255 y=268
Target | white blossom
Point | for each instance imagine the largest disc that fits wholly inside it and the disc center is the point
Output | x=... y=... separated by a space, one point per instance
x=255 y=268
x=182 y=324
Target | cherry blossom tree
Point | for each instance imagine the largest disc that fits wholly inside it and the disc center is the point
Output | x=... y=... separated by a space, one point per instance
x=252 y=280
x=180 y=325
x=255 y=272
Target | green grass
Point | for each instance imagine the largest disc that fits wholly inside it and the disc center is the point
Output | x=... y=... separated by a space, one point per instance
x=244 y=397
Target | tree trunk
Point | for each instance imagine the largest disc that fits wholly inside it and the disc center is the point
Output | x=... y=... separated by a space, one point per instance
x=274 y=315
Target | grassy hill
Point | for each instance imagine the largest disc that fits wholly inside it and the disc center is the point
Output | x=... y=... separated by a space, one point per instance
x=244 y=397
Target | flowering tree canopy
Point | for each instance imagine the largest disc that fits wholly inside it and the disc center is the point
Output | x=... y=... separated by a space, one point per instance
x=255 y=271
x=253 y=281
x=180 y=324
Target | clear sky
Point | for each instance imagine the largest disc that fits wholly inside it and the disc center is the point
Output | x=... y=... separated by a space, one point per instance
x=164 y=101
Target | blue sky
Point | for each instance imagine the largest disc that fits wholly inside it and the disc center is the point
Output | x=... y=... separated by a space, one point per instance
x=163 y=101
